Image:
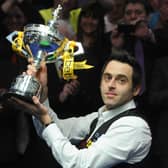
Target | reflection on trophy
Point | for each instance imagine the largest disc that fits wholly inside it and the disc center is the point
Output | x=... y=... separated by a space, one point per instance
x=44 y=43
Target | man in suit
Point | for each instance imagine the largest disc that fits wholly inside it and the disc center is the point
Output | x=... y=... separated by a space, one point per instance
x=127 y=140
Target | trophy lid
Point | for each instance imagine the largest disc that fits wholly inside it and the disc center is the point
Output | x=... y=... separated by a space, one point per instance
x=43 y=37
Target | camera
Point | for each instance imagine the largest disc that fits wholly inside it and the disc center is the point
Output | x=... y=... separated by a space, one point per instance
x=126 y=28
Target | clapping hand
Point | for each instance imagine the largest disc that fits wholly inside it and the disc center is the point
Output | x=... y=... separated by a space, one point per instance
x=70 y=88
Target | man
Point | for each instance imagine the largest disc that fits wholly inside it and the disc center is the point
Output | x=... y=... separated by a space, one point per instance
x=127 y=140
x=158 y=19
x=135 y=10
x=135 y=14
x=135 y=37
x=114 y=13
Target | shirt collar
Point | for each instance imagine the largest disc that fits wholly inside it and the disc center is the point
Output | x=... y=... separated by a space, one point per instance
x=107 y=114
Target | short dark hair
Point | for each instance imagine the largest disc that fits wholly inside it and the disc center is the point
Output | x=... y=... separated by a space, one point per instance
x=143 y=2
x=130 y=60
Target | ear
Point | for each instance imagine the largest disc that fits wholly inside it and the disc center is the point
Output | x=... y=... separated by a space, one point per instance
x=136 y=90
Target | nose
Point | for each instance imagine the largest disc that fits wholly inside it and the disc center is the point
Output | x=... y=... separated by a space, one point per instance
x=112 y=84
x=90 y=19
x=133 y=16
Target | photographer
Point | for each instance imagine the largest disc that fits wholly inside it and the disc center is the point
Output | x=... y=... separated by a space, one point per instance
x=134 y=36
x=133 y=25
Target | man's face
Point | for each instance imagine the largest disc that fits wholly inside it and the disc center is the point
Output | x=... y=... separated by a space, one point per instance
x=154 y=4
x=134 y=12
x=164 y=10
x=116 y=84
x=116 y=11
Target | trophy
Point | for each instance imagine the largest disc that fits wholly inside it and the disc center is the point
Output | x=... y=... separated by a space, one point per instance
x=44 y=43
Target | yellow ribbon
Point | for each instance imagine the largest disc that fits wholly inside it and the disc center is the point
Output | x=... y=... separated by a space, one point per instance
x=82 y=65
x=68 y=68
x=68 y=62
x=18 y=43
x=59 y=51
x=89 y=143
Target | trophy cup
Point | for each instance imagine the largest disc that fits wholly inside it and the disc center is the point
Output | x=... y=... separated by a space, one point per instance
x=44 y=43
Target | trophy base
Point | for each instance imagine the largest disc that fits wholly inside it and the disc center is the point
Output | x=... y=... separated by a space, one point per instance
x=24 y=87
x=22 y=97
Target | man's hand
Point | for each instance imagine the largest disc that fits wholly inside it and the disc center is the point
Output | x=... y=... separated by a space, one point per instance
x=36 y=108
x=40 y=74
x=142 y=30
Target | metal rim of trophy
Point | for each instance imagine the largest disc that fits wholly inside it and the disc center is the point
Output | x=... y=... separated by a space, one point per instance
x=36 y=32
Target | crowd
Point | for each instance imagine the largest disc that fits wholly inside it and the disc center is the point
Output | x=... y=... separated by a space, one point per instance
x=129 y=28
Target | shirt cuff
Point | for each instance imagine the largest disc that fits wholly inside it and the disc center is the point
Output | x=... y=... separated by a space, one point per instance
x=52 y=133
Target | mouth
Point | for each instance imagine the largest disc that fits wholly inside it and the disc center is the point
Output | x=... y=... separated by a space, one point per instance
x=110 y=94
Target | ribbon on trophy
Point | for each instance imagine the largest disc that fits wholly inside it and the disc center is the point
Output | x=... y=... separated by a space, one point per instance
x=65 y=53
x=69 y=65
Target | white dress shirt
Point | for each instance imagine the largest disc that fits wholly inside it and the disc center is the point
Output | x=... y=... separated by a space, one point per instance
x=128 y=139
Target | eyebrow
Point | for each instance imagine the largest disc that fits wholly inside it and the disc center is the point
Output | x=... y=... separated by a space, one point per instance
x=122 y=76
x=118 y=75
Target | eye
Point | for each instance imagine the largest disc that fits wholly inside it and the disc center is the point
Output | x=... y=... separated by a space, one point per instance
x=107 y=77
x=122 y=80
x=139 y=12
x=128 y=12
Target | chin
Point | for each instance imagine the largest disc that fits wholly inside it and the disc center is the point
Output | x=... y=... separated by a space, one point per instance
x=110 y=106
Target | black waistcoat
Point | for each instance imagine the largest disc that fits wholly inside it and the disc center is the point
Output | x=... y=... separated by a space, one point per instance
x=103 y=128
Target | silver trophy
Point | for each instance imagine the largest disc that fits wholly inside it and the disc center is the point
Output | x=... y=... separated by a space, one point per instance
x=42 y=43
